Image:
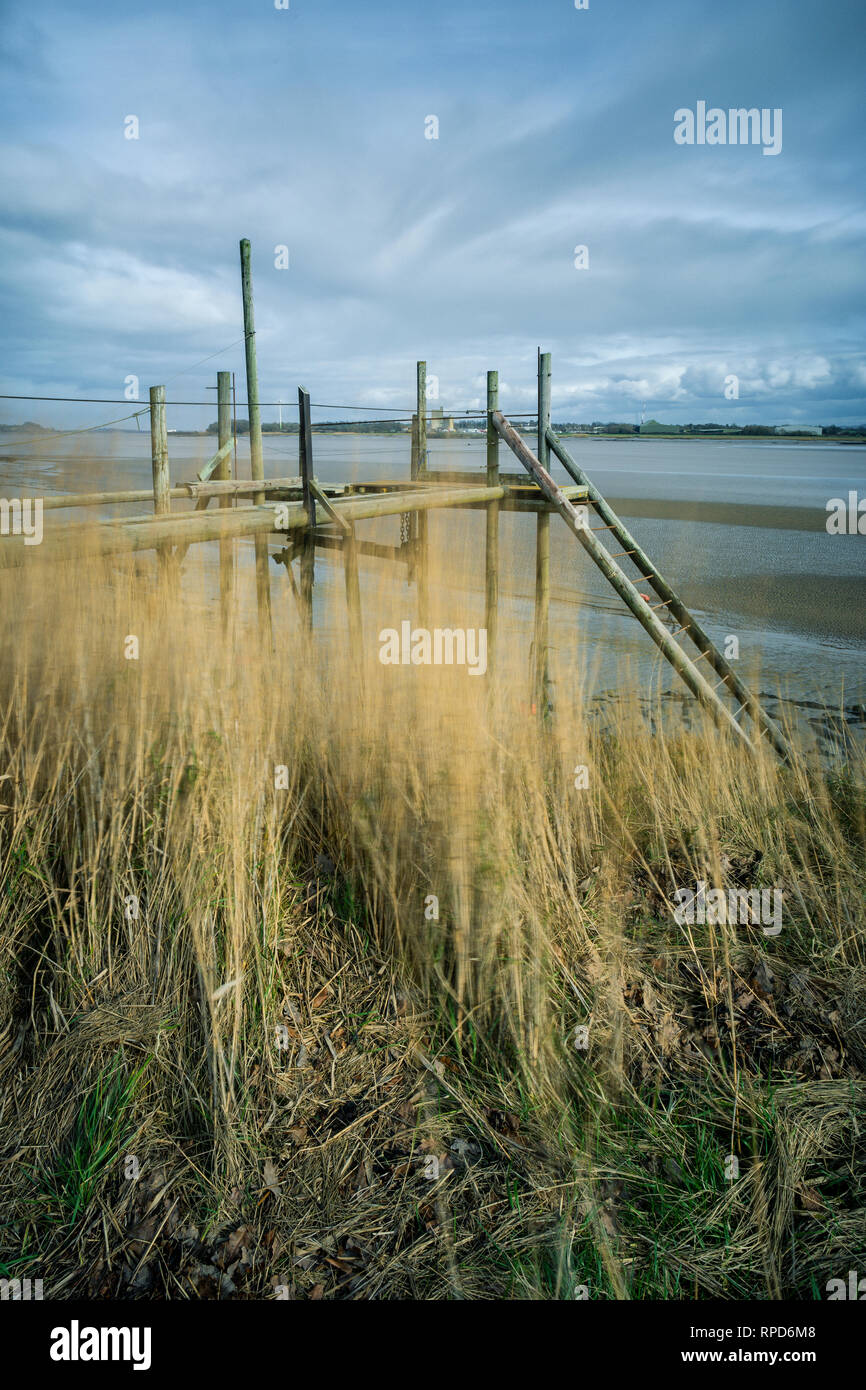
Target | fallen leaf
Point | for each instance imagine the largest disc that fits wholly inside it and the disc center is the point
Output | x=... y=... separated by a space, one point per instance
x=271 y=1182
x=238 y=1240
x=811 y=1199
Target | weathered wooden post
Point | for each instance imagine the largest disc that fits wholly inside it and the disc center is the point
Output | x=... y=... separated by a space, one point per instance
x=257 y=470
x=159 y=465
x=305 y=458
x=413 y=465
x=159 y=452
x=421 y=392
x=353 y=594
x=491 y=607
x=409 y=520
x=222 y=474
x=543 y=693
x=421 y=517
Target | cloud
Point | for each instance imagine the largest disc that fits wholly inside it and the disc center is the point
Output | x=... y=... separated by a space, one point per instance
x=306 y=128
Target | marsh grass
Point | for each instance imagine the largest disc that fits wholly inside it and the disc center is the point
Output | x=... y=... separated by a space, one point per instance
x=243 y=985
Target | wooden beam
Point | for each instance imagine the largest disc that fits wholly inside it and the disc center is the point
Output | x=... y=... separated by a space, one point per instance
x=72 y=540
x=232 y=487
x=213 y=465
x=375 y=549
x=335 y=516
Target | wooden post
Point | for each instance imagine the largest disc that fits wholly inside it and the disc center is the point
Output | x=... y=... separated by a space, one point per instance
x=421 y=519
x=491 y=608
x=543 y=693
x=159 y=464
x=422 y=418
x=305 y=459
x=223 y=474
x=353 y=594
x=413 y=465
x=159 y=452
x=411 y=549
x=263 y=583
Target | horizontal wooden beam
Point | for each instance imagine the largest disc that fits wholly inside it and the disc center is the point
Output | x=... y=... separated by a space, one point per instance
x=375 y=549
x=105 y=499
x=73 y=540
x=231 y=488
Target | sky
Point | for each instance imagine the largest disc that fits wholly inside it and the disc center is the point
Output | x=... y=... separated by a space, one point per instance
x=717 y=282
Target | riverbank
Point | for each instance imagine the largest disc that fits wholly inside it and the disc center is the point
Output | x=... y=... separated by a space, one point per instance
x=328 y=980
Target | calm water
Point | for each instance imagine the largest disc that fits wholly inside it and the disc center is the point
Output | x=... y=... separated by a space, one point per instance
x=738 y=528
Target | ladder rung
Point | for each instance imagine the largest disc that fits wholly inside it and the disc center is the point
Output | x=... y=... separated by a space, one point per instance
x=642 y=578
x=660 y=605
x=615 y=554
x=723 y=681
x=601 y=528
x=685 y=628
x=696 y=659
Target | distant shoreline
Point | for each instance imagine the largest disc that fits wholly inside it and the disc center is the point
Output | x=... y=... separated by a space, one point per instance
x=776 y=439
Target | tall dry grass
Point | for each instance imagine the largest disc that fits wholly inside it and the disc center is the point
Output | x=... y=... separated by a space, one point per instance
x=169 y=906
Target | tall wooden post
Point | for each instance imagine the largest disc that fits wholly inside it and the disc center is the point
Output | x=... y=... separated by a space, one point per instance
x=159 y=452
x=257 y=470
x=491 y=607
x=305 y=458
x=542 y=550
x=222 y=474
x=159 y=465
x=421 y=517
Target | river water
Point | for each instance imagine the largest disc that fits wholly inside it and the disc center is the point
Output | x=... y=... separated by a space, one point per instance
x=737 y=527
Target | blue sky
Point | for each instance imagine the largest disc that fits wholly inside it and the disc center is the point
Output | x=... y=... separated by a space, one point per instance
x=306 y=128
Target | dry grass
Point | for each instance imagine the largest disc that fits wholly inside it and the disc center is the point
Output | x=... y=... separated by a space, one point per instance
x=291 y=1048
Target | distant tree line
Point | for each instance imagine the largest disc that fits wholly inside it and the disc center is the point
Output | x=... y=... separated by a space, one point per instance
x=321 y=426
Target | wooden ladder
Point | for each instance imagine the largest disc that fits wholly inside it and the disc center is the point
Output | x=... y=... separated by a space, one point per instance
x=728 y=698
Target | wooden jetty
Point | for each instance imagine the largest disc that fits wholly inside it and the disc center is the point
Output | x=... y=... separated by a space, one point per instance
x=307 y=515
